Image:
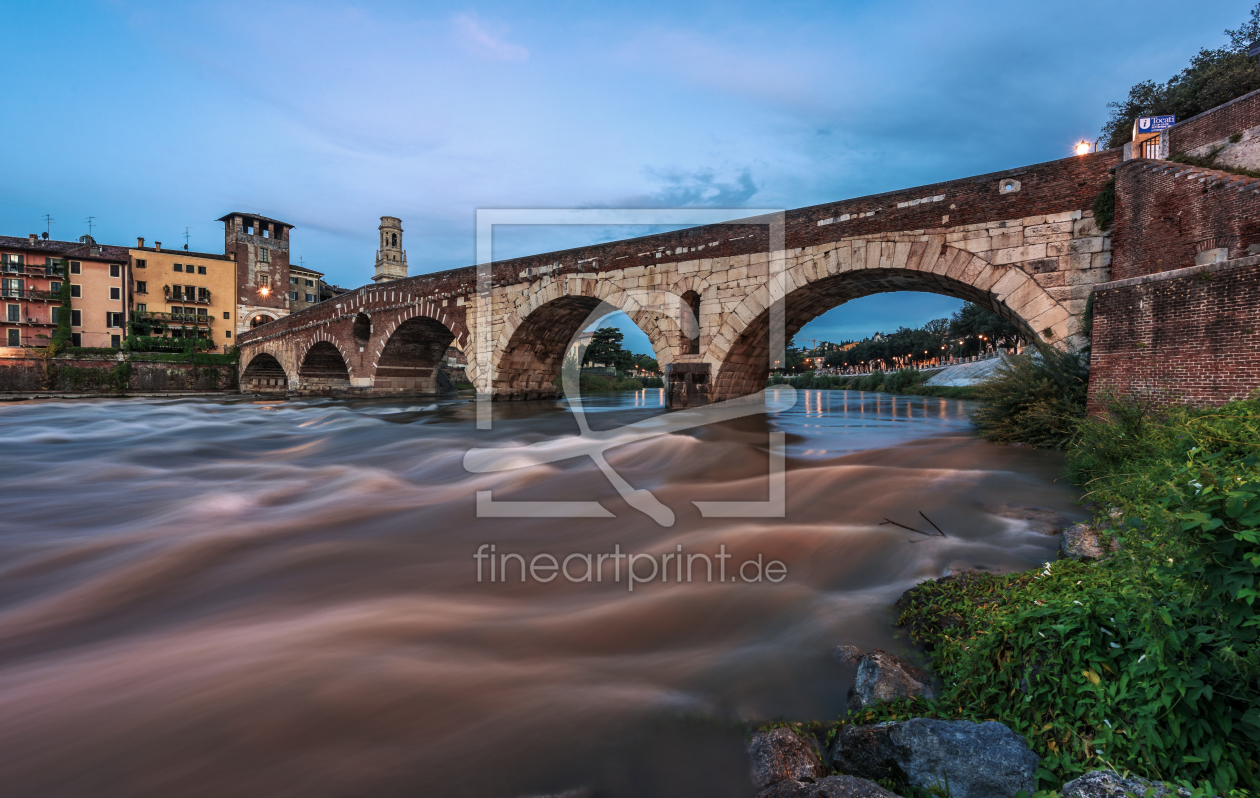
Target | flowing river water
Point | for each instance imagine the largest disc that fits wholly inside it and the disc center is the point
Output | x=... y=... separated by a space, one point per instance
x=209 y=598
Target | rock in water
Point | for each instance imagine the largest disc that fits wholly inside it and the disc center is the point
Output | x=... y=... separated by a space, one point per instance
x=977 y=760
x=1109 y=784
x=782 y=755
x=830 y=787
x=883 y=677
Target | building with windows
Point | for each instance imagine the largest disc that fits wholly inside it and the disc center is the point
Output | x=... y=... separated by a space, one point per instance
x=33 y=270
x=306 y=287
x=180 y=294
x=260 y=247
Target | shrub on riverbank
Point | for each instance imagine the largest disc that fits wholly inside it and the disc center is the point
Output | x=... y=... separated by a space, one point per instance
x=1147 y=661
x=1038 y=399
x=594 y=383
x=908 y=382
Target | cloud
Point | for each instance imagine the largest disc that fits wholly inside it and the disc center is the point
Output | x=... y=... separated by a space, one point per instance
x=700 y=187
x=474 y=38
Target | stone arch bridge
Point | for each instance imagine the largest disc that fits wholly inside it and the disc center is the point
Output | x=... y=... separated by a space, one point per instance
x=1022 y=242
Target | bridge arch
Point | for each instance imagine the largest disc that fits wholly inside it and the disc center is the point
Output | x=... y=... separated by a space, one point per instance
x=410 y=354
x=535 y=337
x=741 y=349
x=263 y=373
x=324 y=367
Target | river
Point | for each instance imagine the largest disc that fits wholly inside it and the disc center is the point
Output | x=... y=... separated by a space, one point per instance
x=208 y=598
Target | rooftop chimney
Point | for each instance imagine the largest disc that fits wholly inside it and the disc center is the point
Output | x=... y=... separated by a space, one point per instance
x=157 y=245
x=32 y=238
x=139 y=243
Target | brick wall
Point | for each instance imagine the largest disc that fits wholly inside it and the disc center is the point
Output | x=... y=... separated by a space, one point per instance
x=1189 y=336
x=1167 y=213
x=1215 y=125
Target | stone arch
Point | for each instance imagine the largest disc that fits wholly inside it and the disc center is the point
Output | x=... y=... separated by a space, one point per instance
x=324 y=367
x=410 y=355
x=741 y=349
x=532 y=345
x=263 y=373
x=259 y=318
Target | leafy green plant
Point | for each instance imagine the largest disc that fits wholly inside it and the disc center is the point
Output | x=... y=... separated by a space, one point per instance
x=1105 y=206
x=1036 y=399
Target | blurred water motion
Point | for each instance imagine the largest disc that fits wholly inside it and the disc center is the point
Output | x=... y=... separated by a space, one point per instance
x=280 y=598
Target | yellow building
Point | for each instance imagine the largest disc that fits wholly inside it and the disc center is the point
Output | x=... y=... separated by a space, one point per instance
x=184 y=294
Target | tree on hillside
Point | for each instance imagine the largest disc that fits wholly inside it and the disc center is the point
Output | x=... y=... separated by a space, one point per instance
x=1213 y=77
x=606 y=348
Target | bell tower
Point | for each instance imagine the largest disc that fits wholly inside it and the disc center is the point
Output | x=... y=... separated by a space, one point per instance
x=391 y=258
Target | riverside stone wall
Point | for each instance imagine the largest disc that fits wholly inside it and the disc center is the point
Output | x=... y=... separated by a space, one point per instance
x=106 y=376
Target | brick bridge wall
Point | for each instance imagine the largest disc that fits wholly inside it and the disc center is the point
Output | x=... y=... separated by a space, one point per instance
x=1180 y=323
x=1020 y=241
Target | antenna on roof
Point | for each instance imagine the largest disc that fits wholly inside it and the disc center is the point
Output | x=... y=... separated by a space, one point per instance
x=48 y=223
x=186 y=229
x=90 y=225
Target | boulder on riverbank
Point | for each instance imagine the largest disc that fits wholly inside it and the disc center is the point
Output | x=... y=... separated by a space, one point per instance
x=1082 y=542
x=883 y=677
x=975 y=760
x=1038 y=519
x=1109 y=784
x=783 y=755
x=830 y=787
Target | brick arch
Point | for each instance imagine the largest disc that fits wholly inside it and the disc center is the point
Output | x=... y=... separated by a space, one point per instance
x=265 y=371
x=323 y=336
x=530 y=348
x=814 y=286
x=407 y=350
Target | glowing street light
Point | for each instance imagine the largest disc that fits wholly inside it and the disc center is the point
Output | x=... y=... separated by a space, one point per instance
x=1082 y=147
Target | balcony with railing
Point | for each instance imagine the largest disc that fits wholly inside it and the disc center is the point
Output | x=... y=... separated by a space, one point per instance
x=53 y=270
x=202 y=297
x=158 y=317
x=32 y=294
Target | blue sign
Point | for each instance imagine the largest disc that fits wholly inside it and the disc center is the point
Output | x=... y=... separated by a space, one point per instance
x=1154 y=124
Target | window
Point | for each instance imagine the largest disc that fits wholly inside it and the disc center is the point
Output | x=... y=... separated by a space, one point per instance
x=310 y=297
x=54 y=313
x=54 y=287
x=292 y=281
x=177 y=293
x=115 y=341
x=293 y=295
x=15 y=337
x=201 y=270
x=115 y=270
x=140 y=263
x=113 y=319
x=142 y=287
x=264 y=279
x=76 y=319
x=11 y=287
x=76 y=290
x=179 y=267
x=264 y=255
x=15 y=312
x=76 y=339
x=227 y=334
x=115 y=292
x=202 y=312
x=76 y=267
x=310 y=283
x=227 y=315
x=12 y=262
x=142 y=308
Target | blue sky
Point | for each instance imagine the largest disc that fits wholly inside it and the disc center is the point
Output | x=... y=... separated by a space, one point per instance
x=154 y=117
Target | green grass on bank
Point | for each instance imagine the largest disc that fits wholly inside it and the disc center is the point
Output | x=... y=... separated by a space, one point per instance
x=907 y=382
x=1145 y=662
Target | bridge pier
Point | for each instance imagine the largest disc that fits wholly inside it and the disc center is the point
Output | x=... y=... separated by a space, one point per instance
x=688 y=385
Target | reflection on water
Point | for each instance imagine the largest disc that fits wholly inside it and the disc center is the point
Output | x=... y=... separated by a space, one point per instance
x=211 y=598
